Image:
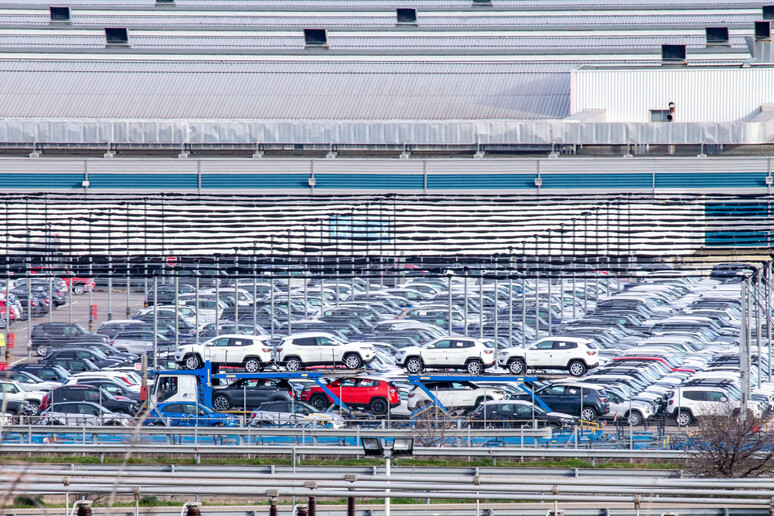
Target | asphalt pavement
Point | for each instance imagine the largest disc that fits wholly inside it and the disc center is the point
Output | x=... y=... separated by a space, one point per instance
x=79 y=315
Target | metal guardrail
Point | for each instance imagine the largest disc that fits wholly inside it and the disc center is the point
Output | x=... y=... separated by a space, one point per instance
x=327 y=451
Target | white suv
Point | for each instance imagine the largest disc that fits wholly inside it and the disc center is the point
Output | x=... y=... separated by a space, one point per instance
x=253 y=352
x=473 y=355
x=15 y=391
x=688 y=403
x=454 y=395
x=318 y=348
x=576 y=355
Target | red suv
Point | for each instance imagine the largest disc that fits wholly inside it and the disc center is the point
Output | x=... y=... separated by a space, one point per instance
x=374 y=395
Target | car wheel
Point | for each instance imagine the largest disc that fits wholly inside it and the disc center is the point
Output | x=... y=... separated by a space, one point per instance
x=193 y=362
x=683 y=418
x=220 y=402
x=577 y=368
x=252 y=365
x=379 y=406
x=353 y=362
x=293 y=364
x=517 y=366
x=78 y=289
x=42 y=351
x=474 y=367
x=319 y=401
x=34 y=408
x=414 y=365
x=588 y=414
x=634 y=418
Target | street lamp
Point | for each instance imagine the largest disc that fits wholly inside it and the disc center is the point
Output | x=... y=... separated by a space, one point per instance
x=549 y=272
x=523 y=293
x=401 y=447
x=585 y=216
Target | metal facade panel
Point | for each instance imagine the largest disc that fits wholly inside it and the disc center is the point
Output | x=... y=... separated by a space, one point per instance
x=370 y=181
x=254 y=181
x=144 y=181
x=700 y=94
x=480 y=181
x=40 y=181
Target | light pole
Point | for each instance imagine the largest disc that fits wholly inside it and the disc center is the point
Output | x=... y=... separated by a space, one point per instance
x=585 y=216
x=537 y=288
x=523 y=293
x=510 y=296
x=561 y=269
x=574 y=262
x=550 y=274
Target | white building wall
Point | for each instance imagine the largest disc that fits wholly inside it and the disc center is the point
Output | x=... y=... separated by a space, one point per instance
x=700 y=94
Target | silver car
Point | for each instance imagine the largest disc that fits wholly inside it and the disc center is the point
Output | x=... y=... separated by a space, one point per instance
x=293 y=413
x=82 y=413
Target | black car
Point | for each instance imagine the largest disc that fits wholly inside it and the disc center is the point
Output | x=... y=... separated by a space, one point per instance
x=114 y=387
x=517 y=414
x=166 y=293
x=48 y=336
x=91 y=393
x=249 y=393
x=566 y=398
x=96 y=356
x=47 y=372
x=71 y=365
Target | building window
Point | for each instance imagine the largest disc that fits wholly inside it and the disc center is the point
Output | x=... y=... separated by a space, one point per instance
x=768 y=12
x=660 y=115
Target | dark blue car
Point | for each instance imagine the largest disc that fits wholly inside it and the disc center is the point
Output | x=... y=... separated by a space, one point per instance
x=186 y=413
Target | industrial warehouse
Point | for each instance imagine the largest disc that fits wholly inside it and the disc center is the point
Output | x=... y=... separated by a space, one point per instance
x=386 y=257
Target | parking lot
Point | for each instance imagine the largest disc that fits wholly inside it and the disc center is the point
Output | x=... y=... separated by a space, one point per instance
x=648 y=350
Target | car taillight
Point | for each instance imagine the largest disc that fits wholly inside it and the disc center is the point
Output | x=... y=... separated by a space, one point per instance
x=591 y=352
x=279 y=350
x=124 y=378
x=671 y=402
x=44 y=402
x=603 y=400
x=267 y=350
x=488 y=351
x=411 y=395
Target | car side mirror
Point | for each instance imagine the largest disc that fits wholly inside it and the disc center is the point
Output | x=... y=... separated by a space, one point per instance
x=724 y=400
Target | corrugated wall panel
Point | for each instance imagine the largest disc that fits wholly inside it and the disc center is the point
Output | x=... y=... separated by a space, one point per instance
x=600 y=181
x=40 y=181
x=480 y=181
x=365 y=181
x=145 y=181
x=700 y=95
x=239 y=181
x=716 y=180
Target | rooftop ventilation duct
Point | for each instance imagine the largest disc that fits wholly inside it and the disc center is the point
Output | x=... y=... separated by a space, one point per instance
x=762 y=30
x=717 y=36
x=59 y=14
x=407 y=15
x=116 y=36
x=673 y=54
x=315 y=37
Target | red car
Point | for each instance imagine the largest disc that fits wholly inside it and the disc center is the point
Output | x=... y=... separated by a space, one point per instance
x=373 y=395
x=78 y=284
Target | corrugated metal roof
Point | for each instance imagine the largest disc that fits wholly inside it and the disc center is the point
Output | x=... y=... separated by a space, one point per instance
x=349 y=91
x=375 y=20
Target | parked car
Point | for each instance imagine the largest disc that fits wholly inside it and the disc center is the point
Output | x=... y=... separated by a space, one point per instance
x=301 y=350
x=82 y=413
x=93 y=394
x=472 y=355
x=15 y=391
x=184 y=413
x=575 y=355
x=293 y=413
x=377 y=396
x=253 y=352
x=250 y=393
x=587 y=401
x=94 y=355
x=517 y=414
x=54 y=335
x=454 y=395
